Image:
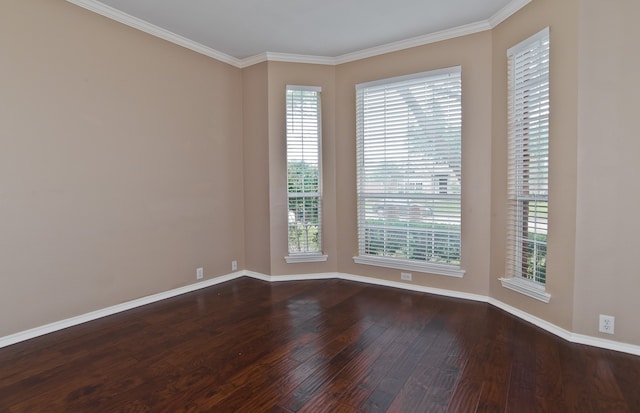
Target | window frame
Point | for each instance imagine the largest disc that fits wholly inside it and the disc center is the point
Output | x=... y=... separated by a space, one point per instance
x=454 y=270
x=527 y=171
x=293 y=257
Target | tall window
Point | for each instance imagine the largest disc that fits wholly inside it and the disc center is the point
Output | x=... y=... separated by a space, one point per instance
x=528 y=171
x=409 y=172
x=304 y=185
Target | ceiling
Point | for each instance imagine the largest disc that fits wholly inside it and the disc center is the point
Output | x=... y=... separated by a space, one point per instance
x=329 y=29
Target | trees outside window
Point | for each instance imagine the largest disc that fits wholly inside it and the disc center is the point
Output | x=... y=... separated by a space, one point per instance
x=304 y=189
x=409 y=169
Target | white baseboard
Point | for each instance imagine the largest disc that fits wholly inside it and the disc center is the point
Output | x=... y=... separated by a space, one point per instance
x=94 y=315
x=538 y=322
x=413 y=287
x=545 y=325
x=295 y=277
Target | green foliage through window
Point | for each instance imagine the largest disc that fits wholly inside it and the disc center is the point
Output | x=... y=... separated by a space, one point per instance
x=303 y=170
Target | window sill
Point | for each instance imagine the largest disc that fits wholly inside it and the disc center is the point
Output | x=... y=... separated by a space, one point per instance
x=301 y=258
x=527 y=288
x=398 y=264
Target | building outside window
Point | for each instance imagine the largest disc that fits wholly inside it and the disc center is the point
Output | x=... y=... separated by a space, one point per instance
x=409 y=133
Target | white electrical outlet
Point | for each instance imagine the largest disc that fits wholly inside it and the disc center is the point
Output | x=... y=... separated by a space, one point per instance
x=234 y=265
x=405 y=276
x=607 y=324
x=199 y=273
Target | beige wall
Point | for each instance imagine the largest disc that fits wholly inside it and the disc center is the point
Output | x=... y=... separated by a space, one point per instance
x=562 y=19
x=607 y=276
x=126 y=162
x=281 y=75
x=473 y=53
x=256 y=168
x=266 y=210
x=120 y=164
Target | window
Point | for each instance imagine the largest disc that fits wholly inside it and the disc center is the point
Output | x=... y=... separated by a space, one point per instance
x=409 y=172
x=528 y=171
x=304 y=185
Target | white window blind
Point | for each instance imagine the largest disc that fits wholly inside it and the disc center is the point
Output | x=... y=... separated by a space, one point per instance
x=304 y=169
x=409 y=170
x=528 y=170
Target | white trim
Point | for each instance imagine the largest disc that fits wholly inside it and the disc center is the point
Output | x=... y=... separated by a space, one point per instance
x=398 y=264
x=543 y=324
x=527 y=288
x=94 y=315
x=305 y=88
x=253 y=60
x=293 y=277
x=565 y=334
x=298 y=58
x=453 y=70
x=605 y=343
x=286 y=57
x=300 y=258
x=142 y=25
x=507 y=11
x=256 y=275
x=413 y=287
x=527 y=43
x=442 y=35
x=536 y=321
x=152 y=29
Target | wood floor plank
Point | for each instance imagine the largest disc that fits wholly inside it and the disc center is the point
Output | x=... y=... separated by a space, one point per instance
x=395 y=378
x=549 y=388
x=404 y=334
x=313 y=346
x=521 y=396
x=290 y=390
x=497 y=366
x=434 y=379
x=626 y=371
x=279 y=374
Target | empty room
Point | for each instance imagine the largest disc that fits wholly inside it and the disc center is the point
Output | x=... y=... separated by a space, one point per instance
x=298 y=206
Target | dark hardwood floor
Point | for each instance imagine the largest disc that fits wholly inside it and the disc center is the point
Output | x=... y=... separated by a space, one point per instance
x=313 y=346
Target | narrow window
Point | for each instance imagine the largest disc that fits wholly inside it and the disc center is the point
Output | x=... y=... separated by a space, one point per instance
x=304 y=177
x=528 y=170
x=409 y=172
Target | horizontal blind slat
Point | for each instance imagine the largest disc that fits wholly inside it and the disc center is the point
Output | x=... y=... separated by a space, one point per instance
x=527 y=177
x=303 y=169
x=409 y=162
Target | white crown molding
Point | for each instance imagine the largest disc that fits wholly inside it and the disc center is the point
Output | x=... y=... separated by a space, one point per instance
x=142 y=25
x=253 y=60
x=414 y=42
x=507 y=11
x=288 y=58
x=124 y=18
x=545 y=325
x=295 y=58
